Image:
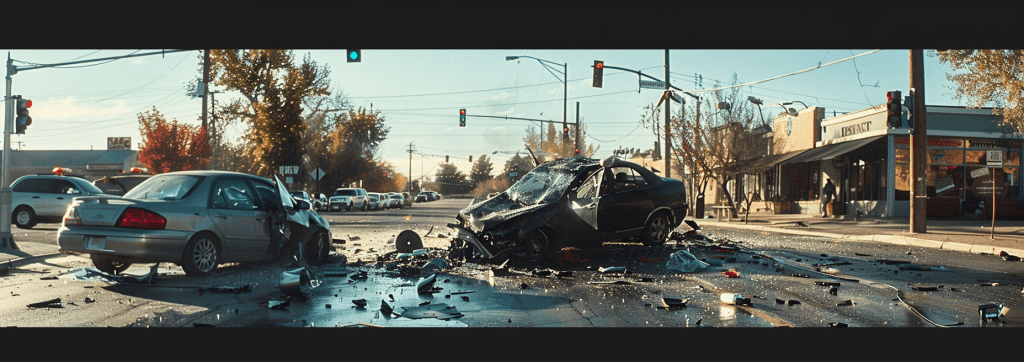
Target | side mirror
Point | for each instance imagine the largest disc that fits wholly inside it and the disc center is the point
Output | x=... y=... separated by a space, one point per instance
x=302 y=205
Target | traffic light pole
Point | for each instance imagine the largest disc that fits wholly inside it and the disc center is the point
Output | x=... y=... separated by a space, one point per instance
x=6 y=238
x=918 y=147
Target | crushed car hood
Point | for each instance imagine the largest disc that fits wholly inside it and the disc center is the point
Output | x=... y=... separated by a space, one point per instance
x=494 y=211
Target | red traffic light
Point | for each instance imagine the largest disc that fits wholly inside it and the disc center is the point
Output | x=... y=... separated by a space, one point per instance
x=599 y=65
x=462 y=112
x=28 y=103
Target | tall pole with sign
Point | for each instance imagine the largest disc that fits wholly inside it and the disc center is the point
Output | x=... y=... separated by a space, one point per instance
x=6 y=238
x=668 y=118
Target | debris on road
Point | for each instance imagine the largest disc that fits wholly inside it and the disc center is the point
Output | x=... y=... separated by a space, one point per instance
x=838 y=325
x=927 y=288
x=674 y=303
x=569 y=258
x=614 y=269
x=827 y=283
x=733 y=298
x=426 y=285
x=439 y=311
x=799 y=275
x=732 y=273
x=644 y=259
x=385 y=308
x=989 y=284
x=358 y=276
x=793 y=302
x=1006 y=256
x=844 y=303
x=52 y=303
x=911 y=266
x=93 y=274
x=683 y=261
x=408 y=241
x=610 y=282
x=227 y=289
x=296 y=282
x=359 y=302
x=279 y=304
x=990 y=311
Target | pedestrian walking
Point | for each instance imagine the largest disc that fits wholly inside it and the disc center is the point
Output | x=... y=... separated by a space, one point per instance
x=827 y=194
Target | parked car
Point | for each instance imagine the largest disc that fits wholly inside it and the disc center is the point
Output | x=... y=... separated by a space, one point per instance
x=45 y=198
x=392 y=200
x=119 y=185
x=436 y=195
x=574 y=202
x=348 y=199
x=197 y=219
x=406 y=199
x=423 y=197
x=373 y=201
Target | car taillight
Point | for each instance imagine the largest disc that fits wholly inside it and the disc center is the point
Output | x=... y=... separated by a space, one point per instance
x=71 y=217
x=141 y=219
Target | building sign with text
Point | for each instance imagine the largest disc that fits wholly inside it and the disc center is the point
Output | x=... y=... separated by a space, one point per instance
x=119 y=143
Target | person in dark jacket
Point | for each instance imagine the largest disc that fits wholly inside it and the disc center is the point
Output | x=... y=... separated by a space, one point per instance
x=827 y=194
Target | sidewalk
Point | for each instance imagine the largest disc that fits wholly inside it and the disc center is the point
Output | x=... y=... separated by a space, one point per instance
x=973 y=236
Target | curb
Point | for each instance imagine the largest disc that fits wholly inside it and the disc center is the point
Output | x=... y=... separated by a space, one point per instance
x=888 y=239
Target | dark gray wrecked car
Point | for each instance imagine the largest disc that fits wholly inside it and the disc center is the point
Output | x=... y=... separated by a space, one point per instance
x=577 y=202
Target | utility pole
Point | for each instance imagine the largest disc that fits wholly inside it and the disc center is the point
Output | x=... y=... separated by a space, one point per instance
x=668 y=130
x=578 y=129
x=918 y=146
x=206 y=80
x=409 y=183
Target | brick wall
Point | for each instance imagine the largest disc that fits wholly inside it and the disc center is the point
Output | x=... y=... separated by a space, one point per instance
x=806 y=130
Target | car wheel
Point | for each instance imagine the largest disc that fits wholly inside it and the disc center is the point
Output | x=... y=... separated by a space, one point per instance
x=535 y=246
x=24 y=217
x=109 y=265
x=350 y=206
x=318 y=249
x=656 y=231
x=365 y=206
x=201 y=255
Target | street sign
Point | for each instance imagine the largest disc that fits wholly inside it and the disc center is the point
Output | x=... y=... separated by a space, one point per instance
x=317 y=174
x=289 y=170
x=994 y=158
x=651 y=84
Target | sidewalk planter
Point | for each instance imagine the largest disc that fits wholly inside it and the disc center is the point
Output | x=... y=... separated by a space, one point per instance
x=781 y=207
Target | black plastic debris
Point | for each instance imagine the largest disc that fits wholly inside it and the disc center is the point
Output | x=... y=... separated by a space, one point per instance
x=911 y=266
x=426 y=285
x=989 y=284
x=202 y=325
x=463 y=292
x=674 y=303
x=844 y=303
x=227 y=289
x=541 y=273
x=793 y=302
x=358 y=276
x=425 y=303
x=646 y=280
x=89 y=300
x=52 y=303
x=779 y=301
x=827 y=283
x=408 y=241
x=279 y=304
x=837 y=325
x=610 y=282
x=833 y=291
x=524 y=286
x=1006 y=256
x=990 y=311
x=439 y=311
x=861 y=254
x=359 y=302
x=563 y=274
x=927 y=288
x=385 y=308
x=799 y=275
x=465 y=298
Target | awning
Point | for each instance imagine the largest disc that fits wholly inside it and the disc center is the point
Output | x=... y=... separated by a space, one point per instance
x=772 y=160
x=830 y=151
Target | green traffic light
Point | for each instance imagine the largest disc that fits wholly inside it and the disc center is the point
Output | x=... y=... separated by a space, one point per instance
x=353 y=55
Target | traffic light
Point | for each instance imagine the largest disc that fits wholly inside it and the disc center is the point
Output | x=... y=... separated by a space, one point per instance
x=470 y=158
x=908 y=101
x=577 y=151
x=462 y=118
x=354 y=55
x=445 y=159
x=598 y=73
x=23 y=120
x=894 y=111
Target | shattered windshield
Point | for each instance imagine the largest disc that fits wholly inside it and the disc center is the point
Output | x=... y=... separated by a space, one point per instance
x=546 y=183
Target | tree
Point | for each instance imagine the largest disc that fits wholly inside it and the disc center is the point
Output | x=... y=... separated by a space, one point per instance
x=450 y=180
x=991 y=76
x=481 y=171
x=171 y=146
x=720 y=147
x=554 y=143
x=276 y=89
x=519 y=166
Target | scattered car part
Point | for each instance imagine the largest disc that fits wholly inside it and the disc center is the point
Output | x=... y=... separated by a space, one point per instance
x=613 y=269
x=1006 y=256
x=674 y=303
x=385 y=308
x=426 y=285
x=359 y=302
x=990 y=311
x=844 y=303
x=733 y=298
x=439 y=311
x=732 y=273
x=52 y=303
x=296 y=282
x=408 y=241
x=838 y=325
x=683 y=261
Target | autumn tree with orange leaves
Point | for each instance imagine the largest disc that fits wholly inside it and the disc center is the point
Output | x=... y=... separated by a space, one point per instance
x=171 y=146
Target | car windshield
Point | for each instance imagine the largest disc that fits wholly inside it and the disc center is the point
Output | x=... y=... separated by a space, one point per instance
x=164 y=187
x=345 y=193
x=546 y=183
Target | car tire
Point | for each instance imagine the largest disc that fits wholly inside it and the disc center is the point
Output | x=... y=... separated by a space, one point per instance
x=201 y=255
x=366 y=206
x=350 y=206
x=109 y=265
x=536 y=246
x=318 y=249
x=24 y=217
x=656 y=230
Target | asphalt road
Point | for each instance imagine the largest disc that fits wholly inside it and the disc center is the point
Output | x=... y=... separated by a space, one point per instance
x=795 y=281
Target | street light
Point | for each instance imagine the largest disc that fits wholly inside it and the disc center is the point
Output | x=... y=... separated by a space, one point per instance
x=565 y=86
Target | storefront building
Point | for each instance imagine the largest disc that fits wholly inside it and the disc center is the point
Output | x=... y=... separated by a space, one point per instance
x=970 y=157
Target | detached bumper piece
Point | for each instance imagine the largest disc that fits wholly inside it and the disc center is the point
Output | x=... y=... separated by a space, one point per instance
x=468 y=236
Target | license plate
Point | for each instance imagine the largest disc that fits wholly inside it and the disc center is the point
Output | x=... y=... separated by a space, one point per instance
x=95 y=242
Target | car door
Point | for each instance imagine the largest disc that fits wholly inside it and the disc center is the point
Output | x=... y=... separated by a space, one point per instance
x=584 y=201
x=239 y=217
x=627 y=203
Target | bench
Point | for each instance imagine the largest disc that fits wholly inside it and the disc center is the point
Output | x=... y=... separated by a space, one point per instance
x=723 y=212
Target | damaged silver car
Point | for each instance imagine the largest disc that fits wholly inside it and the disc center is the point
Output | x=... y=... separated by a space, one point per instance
x=573 y=202
x=197 y=219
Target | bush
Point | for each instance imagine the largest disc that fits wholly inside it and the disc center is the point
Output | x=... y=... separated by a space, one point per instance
x=490 y=186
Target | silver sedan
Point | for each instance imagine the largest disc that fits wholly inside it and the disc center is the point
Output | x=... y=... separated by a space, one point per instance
x=197 y=219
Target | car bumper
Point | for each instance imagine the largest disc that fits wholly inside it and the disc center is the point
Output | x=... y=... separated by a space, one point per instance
x=156 y=245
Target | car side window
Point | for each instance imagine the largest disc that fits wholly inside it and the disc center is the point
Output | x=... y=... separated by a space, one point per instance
x=232 y=194
x=588 y=189
x=26 y=185
x=66 y=187
x=628 y=179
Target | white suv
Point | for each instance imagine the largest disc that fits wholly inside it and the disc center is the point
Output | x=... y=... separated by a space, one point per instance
x=349 y=198
x=45 y=198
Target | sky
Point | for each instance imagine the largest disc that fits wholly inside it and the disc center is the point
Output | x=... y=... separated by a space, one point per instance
x=420 y=92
